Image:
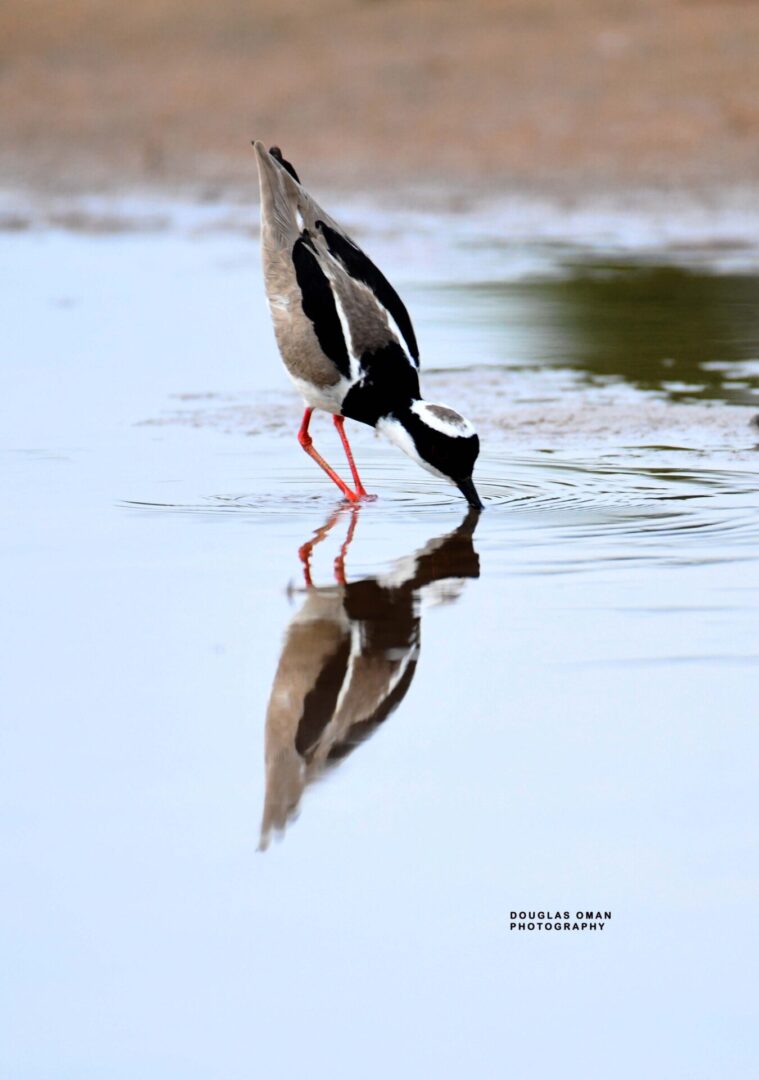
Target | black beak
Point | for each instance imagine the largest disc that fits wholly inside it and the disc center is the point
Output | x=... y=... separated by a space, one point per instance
x=469 y=491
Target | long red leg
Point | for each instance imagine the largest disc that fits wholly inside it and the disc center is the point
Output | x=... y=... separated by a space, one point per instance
x=360 y=490
x=306 y=442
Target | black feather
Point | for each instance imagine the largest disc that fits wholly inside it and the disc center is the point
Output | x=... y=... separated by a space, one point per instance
x=276 y=153
x=454 y=457
x=319 y=304
x=389 y=382
x=361 y=267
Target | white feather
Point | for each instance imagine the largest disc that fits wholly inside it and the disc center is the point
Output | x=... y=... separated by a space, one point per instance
x=452 y=424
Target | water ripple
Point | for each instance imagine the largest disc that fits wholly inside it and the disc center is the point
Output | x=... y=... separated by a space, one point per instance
x=568 y=499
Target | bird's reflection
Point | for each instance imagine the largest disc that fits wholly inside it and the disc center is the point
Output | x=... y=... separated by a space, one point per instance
x=348 y=659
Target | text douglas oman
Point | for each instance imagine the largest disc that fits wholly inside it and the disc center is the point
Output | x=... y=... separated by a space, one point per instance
x=558 y=920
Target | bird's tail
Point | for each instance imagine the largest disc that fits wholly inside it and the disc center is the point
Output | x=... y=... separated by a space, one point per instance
x=285 y=779
x=280 y=194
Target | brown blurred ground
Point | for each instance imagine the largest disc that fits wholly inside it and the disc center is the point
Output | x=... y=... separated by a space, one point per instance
x=529 y=94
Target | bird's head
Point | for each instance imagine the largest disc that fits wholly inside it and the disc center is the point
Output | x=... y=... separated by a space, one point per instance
x=438 y=439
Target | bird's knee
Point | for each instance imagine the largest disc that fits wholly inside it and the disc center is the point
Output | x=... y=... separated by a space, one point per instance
x=304 y=439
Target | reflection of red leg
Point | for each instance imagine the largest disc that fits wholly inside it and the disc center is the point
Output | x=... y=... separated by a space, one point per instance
x=306 y=442
x=304 y=551
x=360 y=490
x=340 y=560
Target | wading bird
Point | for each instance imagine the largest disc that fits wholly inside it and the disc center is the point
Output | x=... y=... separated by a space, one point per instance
x=346 y=338
x=348 y=659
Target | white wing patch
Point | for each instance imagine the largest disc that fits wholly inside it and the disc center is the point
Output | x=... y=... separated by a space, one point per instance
x=365 y=322
x=355 y=363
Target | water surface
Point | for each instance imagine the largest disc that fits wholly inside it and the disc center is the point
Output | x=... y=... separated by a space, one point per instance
x=553 y=705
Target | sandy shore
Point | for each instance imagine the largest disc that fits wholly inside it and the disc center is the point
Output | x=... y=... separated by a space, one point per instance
x=543 y=96
x=608 y=422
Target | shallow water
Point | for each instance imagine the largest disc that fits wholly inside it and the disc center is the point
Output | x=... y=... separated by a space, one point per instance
x=553 y=706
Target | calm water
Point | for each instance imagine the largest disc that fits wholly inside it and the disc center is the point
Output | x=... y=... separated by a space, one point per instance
x=252 y=827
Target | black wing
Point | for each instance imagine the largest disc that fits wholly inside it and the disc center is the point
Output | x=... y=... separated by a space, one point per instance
x=361 y=267
x=318 y=303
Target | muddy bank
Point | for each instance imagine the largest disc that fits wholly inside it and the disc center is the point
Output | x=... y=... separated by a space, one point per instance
x=550 y=96
x=606 y=420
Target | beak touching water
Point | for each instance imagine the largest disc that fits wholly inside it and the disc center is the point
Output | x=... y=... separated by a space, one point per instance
x=469 y=491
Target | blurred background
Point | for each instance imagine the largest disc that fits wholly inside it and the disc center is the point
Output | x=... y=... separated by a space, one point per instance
x=553 y=95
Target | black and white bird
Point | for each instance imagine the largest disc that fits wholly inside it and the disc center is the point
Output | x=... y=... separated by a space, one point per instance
x=346 y=338
x=348 y=659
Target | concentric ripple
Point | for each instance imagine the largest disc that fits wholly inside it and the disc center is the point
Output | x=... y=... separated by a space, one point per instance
x=538 y=491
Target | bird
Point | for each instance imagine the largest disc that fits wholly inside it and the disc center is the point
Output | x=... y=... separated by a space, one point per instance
x=348 y=659
x=346 y=338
